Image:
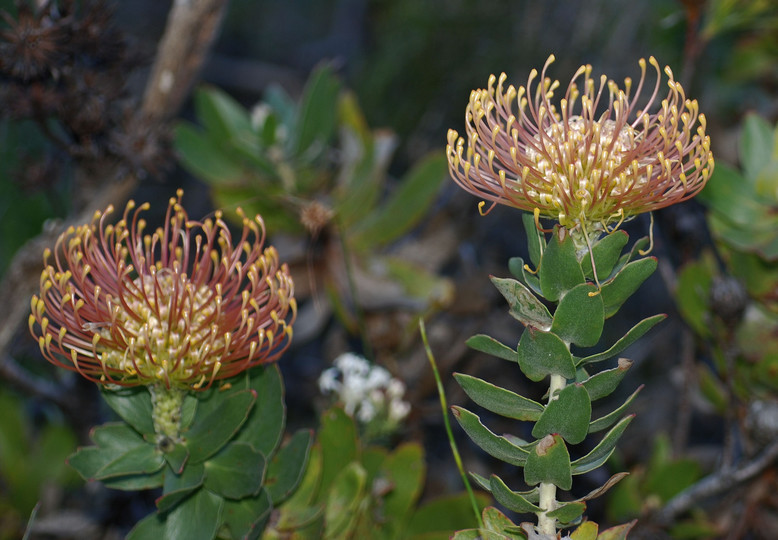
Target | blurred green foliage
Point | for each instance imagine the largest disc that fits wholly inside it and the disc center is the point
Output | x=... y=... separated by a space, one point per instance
x=225 y=475
x=282 y=156
x=651 y=486
x=314 y=167
x=30 y=460
x=743 y=219
x=24 y=206
x=353 y=491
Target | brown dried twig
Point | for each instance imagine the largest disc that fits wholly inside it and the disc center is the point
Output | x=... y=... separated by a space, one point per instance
x=719 y=482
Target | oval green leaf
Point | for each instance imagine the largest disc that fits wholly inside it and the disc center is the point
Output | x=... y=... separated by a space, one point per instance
x=499 y=400
x=568 y=415
x=580 y=316
x=543 y=353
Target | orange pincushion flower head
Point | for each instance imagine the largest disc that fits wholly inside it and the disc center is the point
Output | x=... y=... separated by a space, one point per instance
x=569 y=162
x=178 y=308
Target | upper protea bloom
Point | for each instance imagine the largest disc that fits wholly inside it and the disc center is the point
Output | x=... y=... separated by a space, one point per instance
x=176 y=309
x=596 y=157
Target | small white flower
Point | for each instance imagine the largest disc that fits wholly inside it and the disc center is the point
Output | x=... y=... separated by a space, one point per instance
x=352 y=365
x=398 y=410
x=366 y=412
x=328 y=381
x=378 y=377
x=395 y=389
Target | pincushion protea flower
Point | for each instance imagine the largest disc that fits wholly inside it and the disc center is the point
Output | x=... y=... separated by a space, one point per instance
x=175 y=310
x=573 y=163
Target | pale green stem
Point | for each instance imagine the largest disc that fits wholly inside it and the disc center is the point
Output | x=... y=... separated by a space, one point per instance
x=546 y=524
x=166 y=406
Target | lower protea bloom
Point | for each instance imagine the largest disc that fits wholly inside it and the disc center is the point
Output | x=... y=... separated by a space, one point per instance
x=174 y=310
x=596 y=157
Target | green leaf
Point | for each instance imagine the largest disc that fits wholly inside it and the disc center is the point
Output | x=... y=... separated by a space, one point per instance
x=499 y=400
x=568 y=415
x=536 y=241
x=606 y=253
x=603 y=450
x=343 y=500
x=208 y=435
x=305 y=494
x=403 y=469
x=113 y=440
x=204 y=158
x=479 y=534
x=177 y=487
x=480 y=481
x=731 y=197
x=496 y=521
x=559 y=269
x=444 y=514
x=543 y=353
x=609 y=419
x=222 y=116
x=568 y=512
x=88 y=460
x=318 y=110
x=287 y=468
x=612 y=481
x=133 y=405
x=265 y=425
x=579 y=318
x=692 y=294
x=135 y=482
x=491 y=346
x=635 y=333
x=616 y=291
x=246 y=517
x=756 y=145
x=525 y=307
x=116 y=436
x=585 y=531
x=619 y=532
x=406 y=205
x=339 y=444
x=282 y=104
x=152 y=526
x=177 y=457
x=605 y=382
x=144 y=459
x=197 y=517
x=517 y=268
x=512 y=500
x=494 y=445
x=640 y=245
x=236 y=471
x=549 y=462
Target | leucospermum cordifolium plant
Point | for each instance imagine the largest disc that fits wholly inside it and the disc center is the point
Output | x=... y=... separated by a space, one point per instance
x=169 y=324
x=590 y=160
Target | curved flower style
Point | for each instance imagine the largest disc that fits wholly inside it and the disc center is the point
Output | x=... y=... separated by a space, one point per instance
x=573 y=164
x=179 y=308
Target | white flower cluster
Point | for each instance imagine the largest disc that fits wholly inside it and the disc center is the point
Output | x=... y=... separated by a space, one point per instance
x=367 y=392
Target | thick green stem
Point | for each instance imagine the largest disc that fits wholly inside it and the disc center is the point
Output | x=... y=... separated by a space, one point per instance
x=166 y=406
x=546 y=524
